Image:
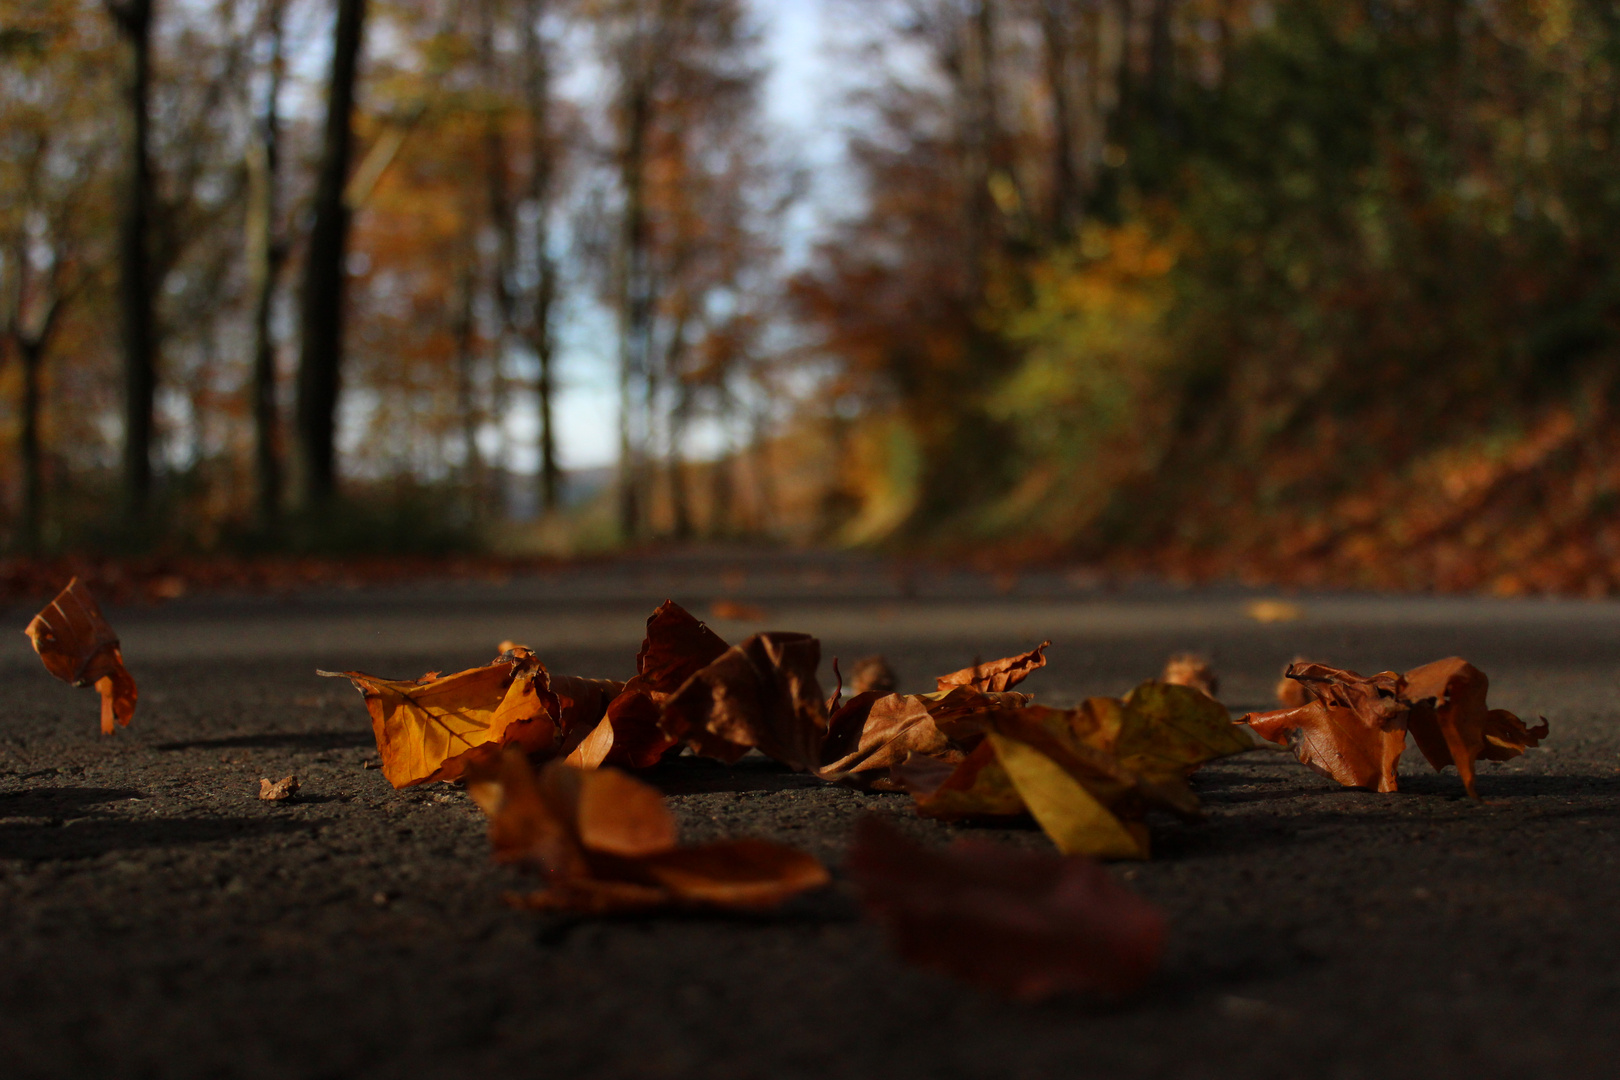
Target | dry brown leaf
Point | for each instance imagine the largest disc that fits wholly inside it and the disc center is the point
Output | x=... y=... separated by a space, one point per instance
x=1194 y=670
x=1352 y=730
x=676 y=647
x=430 y=729
x=871 y=733
x=998 y=675
x=1291 y=694
x=282 y=789
x=1029 y=925
x=874 y=732
x=761 y=694
x=872 y=674
x=1451 y=723
x=606 y=842
x=77 y=646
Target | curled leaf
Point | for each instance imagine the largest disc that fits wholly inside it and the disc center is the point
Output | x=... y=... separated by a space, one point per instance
x=872 y=733
x=676 y=647
x=1451 y=723
x=1353 y=728
x=998 y=675
x=605 y=842
x=1028 y=925
x=761 y=694
x=430 y=729
x=77 y=645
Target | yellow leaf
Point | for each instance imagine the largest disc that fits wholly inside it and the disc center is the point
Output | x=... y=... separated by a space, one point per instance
x=1075 y=820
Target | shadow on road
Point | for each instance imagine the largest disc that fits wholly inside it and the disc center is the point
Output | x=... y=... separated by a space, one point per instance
x=69 y=826
x=308 y=740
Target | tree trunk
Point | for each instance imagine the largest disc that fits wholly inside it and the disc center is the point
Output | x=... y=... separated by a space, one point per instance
x=267 y=252
x=1058 y=43
x=31 y=351
x=633 y=302
x=135 y=292
x=538 y=93
x=472 y=476
x=321 y=329
x=545 y=387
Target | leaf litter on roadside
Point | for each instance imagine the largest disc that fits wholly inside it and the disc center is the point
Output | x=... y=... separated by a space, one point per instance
x=974 y=748
x=1353 y=728
x=77 y=645
x=1088 y=775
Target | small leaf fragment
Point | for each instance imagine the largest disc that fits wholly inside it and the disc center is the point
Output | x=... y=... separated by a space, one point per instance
x=280 y=790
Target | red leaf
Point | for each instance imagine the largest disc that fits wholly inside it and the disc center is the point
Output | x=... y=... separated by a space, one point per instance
x=1030 y=925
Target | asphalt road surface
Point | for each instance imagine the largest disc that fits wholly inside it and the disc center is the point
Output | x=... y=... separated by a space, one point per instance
x=158 y=920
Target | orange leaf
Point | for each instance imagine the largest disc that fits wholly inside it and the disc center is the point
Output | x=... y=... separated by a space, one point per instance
x=73 y=639
x=998 y=675
x=430 y=729
x=1191 y=669
x=1030 y=925
x=606 y=842
x=1451 y=723
x=1352 y=730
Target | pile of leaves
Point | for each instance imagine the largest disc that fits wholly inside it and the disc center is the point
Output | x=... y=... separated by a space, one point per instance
x=549 y=758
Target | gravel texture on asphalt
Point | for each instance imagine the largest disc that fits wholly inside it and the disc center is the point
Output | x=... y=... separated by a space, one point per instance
x=158 y=920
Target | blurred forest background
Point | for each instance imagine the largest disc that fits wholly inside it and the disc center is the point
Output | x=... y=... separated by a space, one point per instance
x=1310 y=291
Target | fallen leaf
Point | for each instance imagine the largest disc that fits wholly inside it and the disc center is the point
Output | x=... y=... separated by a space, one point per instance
x=998 y=675
x=1271 y=611
x=1291 y=694
x=874 y=732
x=1087 y=775
x=285 y=788
x=761 y=694
x=676 y=647
x=976 y=787
x=1353 y=728
x=872 y=674
x=1029 y=925
x=737 y=611
x=1451 y=723
x=1191 y=669
x=77 y=646
x=429 y=729
x=605 y=842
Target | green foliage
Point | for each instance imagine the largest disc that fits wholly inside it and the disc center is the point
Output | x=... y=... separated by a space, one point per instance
x=1391 y=229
